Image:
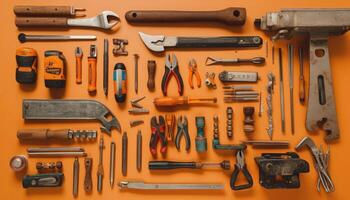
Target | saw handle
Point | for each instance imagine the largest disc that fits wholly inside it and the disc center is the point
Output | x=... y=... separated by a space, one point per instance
x=49 y=11
x=229 y=16
x=25 y=22
x=41 y=134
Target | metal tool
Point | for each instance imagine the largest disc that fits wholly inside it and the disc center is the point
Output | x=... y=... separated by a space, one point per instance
x=19 y=163
x=177 y=101
x=222 y=61
x=69 y=109
x=135 y=102
x=88 y=175
x=231 y=16
x=48 y=11
x=42 y=180
x=233 y=76
x=92 y=69
x=34 y=38
x=240 y=166
x=267 y=143
x=229 y=121
x=136 y=71
x=301 y=77
x=193 y=70
x=182 y=131
x=138 y=111
x=78 y=65
x=248 y=122
x=261 y=105
x=158 y=135
x=166 y=165
x=158 y=43
x=55 y=151
x=105 y=66
x=172 y=69
x=200 y=140
x=151 y=69
x=321 y=112
x=283 y=120
x=26 y=135
x=111 y=164
x=75 y=177
x=280 y=170
x=100 y=172
x=210 y=80
x=106 y=20
x=168 y=186
x=134 y=123
x=119 y=47
x=139 y=151
x=49 y=166
x=238 y=87
x=291 y=84
x=124 y=154
x=270 y=90
x=320 y=162
x=170 y=121
x=120 y=82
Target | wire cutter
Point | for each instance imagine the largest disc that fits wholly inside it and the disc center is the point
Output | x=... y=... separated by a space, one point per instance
x=240 y=166
x=182 y=130
x=158 y=134
x=192 y=66
x=172 y=69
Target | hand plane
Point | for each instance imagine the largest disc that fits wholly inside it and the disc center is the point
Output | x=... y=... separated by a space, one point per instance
x=318 y=24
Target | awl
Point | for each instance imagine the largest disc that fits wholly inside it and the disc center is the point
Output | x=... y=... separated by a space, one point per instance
x=158 y=43
x=168 y=186
x=30 y=38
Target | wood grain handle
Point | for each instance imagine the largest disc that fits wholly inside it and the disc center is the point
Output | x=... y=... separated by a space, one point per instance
x=25 y=22
x=229 y=16
x=151 y=67
x=41 y=134
x=301 y=89
x=41 y=11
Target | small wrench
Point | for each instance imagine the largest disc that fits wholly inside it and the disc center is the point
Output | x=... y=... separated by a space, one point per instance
x=105 y=20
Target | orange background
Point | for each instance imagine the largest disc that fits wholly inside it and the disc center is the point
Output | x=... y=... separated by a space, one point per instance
x=12 y=94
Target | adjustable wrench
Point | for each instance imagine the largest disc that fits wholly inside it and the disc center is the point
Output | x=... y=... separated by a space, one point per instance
x=105 y=20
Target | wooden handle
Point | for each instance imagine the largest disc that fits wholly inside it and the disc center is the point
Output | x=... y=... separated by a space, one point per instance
x=301 y=89
x=92 y=74
x=48 y=11
x=229 y=16
x=170 y=101
x=41 y=134
x=151 y=67
x=25 y=22
x=78 y=66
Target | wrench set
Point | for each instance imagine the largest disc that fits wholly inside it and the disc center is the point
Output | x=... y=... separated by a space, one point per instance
x=276 y=170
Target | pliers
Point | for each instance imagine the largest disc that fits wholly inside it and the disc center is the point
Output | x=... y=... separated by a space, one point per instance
x=172 y=69
x=193 y=70
x=240 y=166
x=182 y=130
x=158 y=134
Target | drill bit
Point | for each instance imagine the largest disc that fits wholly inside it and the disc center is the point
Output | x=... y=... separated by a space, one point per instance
x=105 y=66
x=112 y=164
x=270 y=90
x=75 y=177
x=281 y=89
x=100 y=166
x=139 y=151
x=124 y=153
x=136 y=83
x=291 y=84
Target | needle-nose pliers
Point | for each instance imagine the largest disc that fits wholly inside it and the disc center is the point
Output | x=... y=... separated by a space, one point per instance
x=172 y=69
x=182 y=130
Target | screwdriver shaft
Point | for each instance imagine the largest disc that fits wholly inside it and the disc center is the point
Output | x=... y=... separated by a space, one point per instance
x=112 y=164
x=281 y=90
x=291 y=84
x=105 y=66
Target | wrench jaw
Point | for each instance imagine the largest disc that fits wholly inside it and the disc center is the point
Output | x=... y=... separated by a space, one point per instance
x=106 y=20
x=153 y=42
x=321 y=111
x=108 y=125
x=109 y=19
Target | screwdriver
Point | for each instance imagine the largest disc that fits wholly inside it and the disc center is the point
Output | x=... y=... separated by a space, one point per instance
x=78 y=65
x=92 y=59
x=174 y=101
x=61 y=134
x=164 y=165
x=254 y=61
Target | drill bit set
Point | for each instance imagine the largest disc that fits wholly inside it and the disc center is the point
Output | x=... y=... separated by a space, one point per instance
x=240 y=94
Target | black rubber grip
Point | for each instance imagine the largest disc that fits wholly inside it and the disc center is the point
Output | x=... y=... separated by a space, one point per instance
x=217 y=42
x=164 y=165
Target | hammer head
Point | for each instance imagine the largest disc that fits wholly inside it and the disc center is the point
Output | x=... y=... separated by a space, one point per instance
x=153 y=42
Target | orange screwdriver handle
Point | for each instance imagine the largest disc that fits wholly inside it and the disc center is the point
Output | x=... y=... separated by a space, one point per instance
x=92 y=74
x=78 y=65
x=170 y=101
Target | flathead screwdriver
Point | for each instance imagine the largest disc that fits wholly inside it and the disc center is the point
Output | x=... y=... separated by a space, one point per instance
x=164 y=165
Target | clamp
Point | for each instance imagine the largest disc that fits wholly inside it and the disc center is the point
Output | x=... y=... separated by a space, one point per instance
x=240 y=166
x=193 y=70
x=172 y=69
x=182 y=130
x=158 y=133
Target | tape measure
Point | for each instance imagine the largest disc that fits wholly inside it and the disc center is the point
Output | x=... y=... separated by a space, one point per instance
x=55 y=69
x=27 y=63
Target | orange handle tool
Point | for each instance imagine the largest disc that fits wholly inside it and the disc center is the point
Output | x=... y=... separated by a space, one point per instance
x=92 y=61
x=174 y=101
x=78 y=65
